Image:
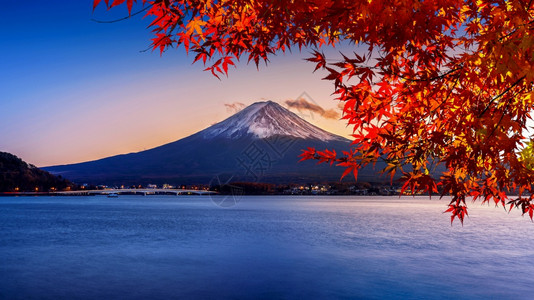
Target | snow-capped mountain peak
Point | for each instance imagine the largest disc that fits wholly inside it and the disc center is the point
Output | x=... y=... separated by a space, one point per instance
x=266 y=119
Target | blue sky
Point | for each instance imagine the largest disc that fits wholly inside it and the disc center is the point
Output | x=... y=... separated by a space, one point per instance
x=74 y=90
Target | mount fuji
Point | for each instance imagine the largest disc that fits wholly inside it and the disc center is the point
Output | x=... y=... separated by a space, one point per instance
x=261 y=143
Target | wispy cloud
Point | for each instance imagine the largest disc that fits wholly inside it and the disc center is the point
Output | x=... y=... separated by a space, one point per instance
x=302 y=104
x=234 y=107
x=331 y=114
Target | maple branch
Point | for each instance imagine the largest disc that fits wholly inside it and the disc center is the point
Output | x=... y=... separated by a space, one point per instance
x=500 y=95
x=514 y=31
x=125 y=18
x=497 y=125
x=448 y=94
x=503 y=113
x=428 y=79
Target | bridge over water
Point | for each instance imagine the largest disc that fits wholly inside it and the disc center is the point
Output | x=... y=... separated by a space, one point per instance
x=143 y=192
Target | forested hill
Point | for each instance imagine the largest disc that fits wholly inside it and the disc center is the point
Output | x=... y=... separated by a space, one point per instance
x=17 y=175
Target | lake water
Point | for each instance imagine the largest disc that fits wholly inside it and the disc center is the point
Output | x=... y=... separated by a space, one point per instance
x=279 y=247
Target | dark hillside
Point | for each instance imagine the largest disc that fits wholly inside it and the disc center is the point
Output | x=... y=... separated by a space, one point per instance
x=17 y=175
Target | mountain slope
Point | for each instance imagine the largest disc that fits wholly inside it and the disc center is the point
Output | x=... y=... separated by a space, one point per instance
x=261 y=143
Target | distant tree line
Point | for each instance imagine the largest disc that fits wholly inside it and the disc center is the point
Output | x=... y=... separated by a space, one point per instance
x=326 y=188
x=19 y=176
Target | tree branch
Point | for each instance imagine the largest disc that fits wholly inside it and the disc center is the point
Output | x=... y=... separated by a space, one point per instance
x=122 y=19
x=500 y=95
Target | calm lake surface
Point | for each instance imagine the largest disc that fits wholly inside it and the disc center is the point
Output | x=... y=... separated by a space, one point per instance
x=279 y=247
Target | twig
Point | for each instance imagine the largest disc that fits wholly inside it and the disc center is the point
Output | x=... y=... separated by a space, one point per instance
x=122 y=19
x=500 y=95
